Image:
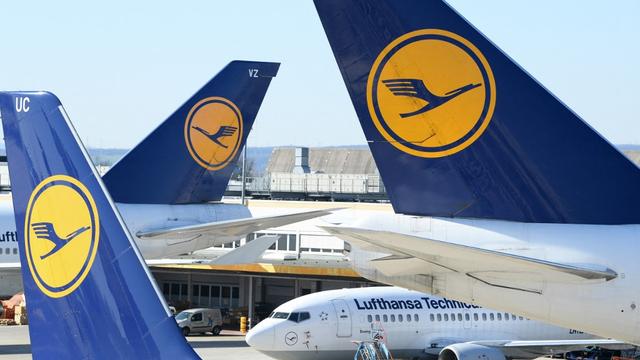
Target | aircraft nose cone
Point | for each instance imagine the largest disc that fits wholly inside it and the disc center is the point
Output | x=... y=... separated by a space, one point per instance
x=261 y=337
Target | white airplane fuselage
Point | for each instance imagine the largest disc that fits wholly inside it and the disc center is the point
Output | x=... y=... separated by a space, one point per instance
x=415 y=325
x=607 y=308
x=143 y=217
x=137 y=218
x=10 y=276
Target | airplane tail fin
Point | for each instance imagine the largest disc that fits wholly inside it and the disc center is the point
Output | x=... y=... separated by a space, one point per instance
x=190 y=157
x=458 y=129
x=91 y=296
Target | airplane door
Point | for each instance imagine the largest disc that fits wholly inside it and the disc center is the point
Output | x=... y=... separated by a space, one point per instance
x=343 y=314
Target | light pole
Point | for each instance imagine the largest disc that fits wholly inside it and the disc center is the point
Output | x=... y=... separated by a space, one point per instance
x=244 y=169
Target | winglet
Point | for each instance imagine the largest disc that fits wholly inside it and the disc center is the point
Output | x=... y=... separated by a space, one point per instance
x=94 y=297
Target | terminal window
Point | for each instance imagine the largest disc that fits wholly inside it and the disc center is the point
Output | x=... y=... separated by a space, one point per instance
x=285 y=242
x=205 y=295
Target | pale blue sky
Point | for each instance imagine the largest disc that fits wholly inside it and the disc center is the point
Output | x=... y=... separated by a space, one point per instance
x=121 y=67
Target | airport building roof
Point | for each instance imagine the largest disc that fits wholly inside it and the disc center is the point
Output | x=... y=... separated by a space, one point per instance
x=267 y=269
x=633 y=155
x=333 y=160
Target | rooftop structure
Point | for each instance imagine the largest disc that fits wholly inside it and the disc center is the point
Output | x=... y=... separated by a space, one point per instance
x=325 y=160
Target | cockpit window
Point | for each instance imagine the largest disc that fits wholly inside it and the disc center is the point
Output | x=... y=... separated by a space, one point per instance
x=280 y=315
x=299 y=316
x=304 y=316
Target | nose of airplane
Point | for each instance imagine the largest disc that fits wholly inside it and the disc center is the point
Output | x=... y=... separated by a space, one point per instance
x=261 y=337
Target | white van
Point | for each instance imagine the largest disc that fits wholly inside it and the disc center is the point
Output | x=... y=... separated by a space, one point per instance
x=200 y=321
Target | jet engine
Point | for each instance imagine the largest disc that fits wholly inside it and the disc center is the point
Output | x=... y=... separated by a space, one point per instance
x=466 y=351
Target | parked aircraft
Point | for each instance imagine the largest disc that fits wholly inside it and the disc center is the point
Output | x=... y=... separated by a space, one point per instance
x=93 y=297
x=413 y=325
x=503 y=196
x=168 y=188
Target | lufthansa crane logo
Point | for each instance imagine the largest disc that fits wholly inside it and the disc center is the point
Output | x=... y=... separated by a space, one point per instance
x=431 y=93
x=62 y=230
x=213 y=131
x=291 y=338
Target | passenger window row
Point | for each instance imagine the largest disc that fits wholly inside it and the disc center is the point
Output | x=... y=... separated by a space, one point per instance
x=476 y=317
x=7 y=251
x=393 y=317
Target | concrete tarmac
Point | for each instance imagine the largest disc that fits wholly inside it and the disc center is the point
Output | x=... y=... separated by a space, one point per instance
x=230 y=345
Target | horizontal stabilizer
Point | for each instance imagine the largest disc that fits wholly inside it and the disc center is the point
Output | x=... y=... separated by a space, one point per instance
x=487 y=266
x=248 y=253
x=225 y=231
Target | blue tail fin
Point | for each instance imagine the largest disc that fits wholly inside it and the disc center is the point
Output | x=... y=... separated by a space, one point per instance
x=458 y=129
x=189 y=158
x=89 y=293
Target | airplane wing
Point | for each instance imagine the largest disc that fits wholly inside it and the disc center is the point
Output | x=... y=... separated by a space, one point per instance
x=527 y=349
x=547 y=347
x=225 y=231
x=416 y=255
x=246 y=254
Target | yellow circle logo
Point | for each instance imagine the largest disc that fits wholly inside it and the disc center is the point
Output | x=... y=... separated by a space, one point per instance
x=62 y=230
x=431 y=93
x=212 y=132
